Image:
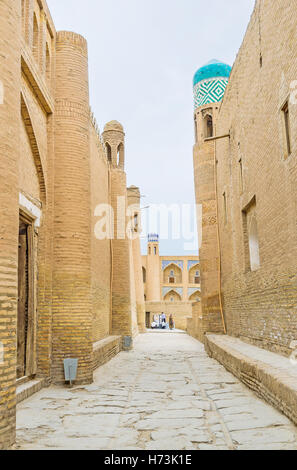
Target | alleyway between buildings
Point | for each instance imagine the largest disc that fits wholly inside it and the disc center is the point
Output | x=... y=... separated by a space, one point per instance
x=165 y=394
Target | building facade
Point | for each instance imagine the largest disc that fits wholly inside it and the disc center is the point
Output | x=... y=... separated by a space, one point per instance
x=245 y=176
x=171 y=284
x=66 y=290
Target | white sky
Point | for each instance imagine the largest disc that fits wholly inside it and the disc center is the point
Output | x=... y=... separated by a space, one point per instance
x=142 y=58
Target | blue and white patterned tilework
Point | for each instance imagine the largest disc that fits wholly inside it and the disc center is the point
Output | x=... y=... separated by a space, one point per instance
x=193 y=290
x=210 y=82
x=192 y=263
x=178 y=290
x=153 y=238
x=209 y=91
x=165 y=264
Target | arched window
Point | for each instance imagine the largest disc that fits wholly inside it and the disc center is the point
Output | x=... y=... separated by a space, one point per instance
x=108 y=151
x=197 y=277
x=254 y=245
x=35 y=39
x=144 y=274
x=208 y=126
x=120 y=156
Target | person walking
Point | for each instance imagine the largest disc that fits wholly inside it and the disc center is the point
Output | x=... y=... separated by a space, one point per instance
x=171 y=322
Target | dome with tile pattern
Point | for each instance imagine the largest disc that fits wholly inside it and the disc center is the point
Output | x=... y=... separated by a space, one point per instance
x=210 y=82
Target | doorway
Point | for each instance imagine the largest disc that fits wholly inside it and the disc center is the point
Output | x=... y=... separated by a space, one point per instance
x=25 y=317
x=148 y=320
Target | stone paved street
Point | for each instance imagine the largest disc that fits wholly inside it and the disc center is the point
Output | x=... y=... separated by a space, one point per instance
x=166 y=394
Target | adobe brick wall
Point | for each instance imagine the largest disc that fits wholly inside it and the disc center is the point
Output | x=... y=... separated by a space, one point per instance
x=101 y=249
x=260 y=306
x=121 y=287
x=133 y=195
x=10 y=11
x=63 y=170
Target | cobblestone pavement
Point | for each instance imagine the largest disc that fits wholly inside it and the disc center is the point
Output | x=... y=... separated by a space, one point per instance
x=166 y=394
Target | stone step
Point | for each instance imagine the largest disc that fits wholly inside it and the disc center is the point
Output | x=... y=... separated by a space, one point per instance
x=27 y=389
x=271 y=376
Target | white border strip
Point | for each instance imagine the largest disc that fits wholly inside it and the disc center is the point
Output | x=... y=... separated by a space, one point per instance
x=30 y=207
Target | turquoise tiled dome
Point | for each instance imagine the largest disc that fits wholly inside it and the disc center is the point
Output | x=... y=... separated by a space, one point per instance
x=212 y=69
x=210 y=82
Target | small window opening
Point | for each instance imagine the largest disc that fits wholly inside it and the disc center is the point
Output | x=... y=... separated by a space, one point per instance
x=35 y=39
x=48 y=65
x=225 y=208
x=108 y=150
x=208 y=126
x=286 y=117
x=240 y=176
x=135 y=221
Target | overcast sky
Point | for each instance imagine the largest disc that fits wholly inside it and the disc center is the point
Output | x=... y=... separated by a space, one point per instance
x=142 y=58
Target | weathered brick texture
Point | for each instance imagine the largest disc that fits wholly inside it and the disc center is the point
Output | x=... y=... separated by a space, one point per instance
x=72 y=314
x=256 y=182
x=10 y=11
x=260 y=306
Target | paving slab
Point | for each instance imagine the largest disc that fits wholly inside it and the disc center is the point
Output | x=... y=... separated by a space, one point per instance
x=166 y=394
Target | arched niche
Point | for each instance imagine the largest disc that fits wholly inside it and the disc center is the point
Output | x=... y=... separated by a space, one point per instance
x=172 y=296
x=172 y=274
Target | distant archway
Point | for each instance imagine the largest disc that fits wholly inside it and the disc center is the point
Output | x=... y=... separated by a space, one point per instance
x=172 y=296
x=208 y=126
x=144 y=274
x=194 y=274
x=172 y=274
x=108 y=151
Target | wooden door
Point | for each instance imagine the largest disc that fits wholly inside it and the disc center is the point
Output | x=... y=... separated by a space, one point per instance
x=22 y=321
x=26 y=320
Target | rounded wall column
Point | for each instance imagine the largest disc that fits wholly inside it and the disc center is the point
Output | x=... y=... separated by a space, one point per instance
x=72 y=313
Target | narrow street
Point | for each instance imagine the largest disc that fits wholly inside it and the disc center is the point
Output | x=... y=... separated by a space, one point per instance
x=166 y=394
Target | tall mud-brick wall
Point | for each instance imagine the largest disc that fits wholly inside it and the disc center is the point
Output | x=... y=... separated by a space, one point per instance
x=259 y=180
x=134 y=203
x=10 y=76
x=72 y=313
x=121 y=289
x=204 y=174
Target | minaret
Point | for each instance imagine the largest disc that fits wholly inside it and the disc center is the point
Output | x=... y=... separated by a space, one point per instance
x=114 y=140
x=210 y=82
x=153 y=269
x=122 y=303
